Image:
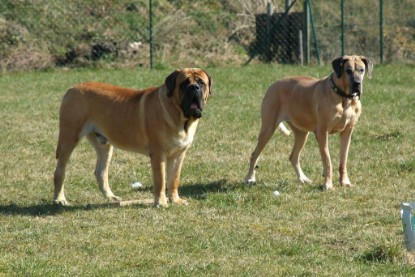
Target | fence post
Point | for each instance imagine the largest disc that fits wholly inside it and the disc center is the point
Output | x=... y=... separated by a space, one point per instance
x=307 y=31
x=342 y=25
x=314 y=33
x=151 y=34
x=300 y=45
x=381 y=29
x=268 y=50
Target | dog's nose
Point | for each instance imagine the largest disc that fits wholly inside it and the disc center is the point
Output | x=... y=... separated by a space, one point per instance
x=194 y=88
x=357 y=84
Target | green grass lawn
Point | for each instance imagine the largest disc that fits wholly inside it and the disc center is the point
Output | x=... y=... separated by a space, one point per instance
x=229 y=228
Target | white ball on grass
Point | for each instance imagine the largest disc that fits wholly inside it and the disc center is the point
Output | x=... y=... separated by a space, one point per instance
x=136 y=185
x=276 y=193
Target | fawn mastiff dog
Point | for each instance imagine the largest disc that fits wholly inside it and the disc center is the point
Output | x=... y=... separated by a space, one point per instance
x=326 y=106
x=159 y=122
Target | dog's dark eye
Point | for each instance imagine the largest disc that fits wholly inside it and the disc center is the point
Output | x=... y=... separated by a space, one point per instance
x=184 y=84
x=349 y=71
x=361 y=71
x=201 y=83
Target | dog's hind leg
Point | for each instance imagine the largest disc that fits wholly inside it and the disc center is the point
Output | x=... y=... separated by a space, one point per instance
x=300 y=138
x=264 y=136
x=66 y=144
x=104 y=154
x=270 y=121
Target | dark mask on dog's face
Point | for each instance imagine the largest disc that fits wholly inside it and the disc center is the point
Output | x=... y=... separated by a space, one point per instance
x=191 y=97
x=194 y=87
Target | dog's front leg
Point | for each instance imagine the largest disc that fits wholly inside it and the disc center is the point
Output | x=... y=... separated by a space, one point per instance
x=158 y=166
x=322 y=137
x=345 y=138
x=174 y=167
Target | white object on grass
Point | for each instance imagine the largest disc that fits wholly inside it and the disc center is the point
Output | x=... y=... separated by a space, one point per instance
x=276 y=193
x=136 y=185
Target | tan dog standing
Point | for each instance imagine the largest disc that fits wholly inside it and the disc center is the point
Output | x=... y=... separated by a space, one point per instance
x=325 y=107
x=159 y=122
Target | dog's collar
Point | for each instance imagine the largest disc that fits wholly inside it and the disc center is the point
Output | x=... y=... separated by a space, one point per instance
x=340 y=92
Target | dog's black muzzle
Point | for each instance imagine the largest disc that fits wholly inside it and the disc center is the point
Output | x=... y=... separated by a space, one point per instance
x=192 y=103
x=357 y=87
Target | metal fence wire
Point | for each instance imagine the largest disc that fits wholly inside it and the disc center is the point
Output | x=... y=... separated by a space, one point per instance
x=279 y=36
x=174 y=33
x=316 y=31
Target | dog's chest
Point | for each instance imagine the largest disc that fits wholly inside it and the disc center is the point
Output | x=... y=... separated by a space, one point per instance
x=346 y=115
x=184 y=138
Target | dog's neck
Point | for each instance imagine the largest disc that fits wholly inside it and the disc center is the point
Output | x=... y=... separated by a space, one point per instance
x=181 y=120
x=341 y=92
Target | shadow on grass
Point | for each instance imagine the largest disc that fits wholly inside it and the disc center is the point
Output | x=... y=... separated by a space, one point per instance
x=199 y=191
x=50 y=209
x=46 y=208
x=43 y=209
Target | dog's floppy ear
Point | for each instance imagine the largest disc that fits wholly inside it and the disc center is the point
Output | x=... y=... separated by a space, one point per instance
x=171 y=82
x=369 y=66
x=210 y=82
x=337 y=64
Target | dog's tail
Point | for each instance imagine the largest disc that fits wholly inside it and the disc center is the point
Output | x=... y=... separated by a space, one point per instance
x=284 y=129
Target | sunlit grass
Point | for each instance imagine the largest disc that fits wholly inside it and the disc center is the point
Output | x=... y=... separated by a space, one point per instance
x=229 y=229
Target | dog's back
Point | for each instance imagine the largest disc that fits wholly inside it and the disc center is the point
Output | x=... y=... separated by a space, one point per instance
x=290 y=98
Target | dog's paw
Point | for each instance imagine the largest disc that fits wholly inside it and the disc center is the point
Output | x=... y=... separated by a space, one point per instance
x=179 y=201
x=346 y=185
x=61 y=202
x=328 y=186
x=160 y=205
x=304 y=180
x=250 y=180
x=113 y=198
x=161 y=202
x=345 y=182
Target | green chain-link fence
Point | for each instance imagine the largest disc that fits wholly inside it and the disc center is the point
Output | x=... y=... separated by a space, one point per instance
x=47 y=33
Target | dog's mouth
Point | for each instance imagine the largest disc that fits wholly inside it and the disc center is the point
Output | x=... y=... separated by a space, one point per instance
x=357 y=88
x=192 y=104
x=196 y=107
x=191 y=95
